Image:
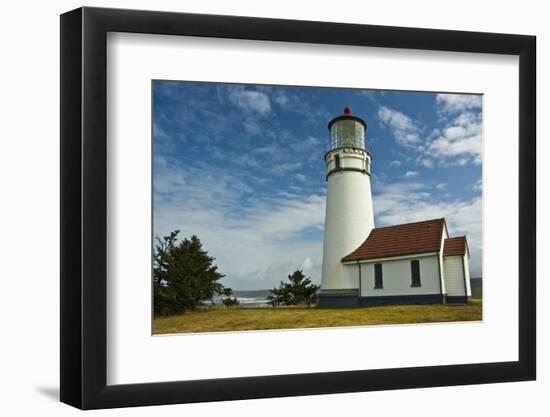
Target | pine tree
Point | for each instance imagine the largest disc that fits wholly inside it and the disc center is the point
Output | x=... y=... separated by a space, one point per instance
x=300 y=290
x=184 y=275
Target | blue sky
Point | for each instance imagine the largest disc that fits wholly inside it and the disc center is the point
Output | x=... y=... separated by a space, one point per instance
x=241 y=166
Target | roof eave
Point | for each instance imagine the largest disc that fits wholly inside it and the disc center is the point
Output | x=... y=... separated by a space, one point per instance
x=434 y=252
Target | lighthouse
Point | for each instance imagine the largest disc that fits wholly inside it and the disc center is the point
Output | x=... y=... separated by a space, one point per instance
x=349 y=214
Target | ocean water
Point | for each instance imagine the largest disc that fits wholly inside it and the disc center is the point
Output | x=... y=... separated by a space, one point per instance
x=252 y=302
x=249 y=298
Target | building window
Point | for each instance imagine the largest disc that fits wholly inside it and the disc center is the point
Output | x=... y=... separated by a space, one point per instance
x=337 y=161
x=378 y=276
x=415 y=273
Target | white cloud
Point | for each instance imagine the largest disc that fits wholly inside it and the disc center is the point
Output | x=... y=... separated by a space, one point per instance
x=257 y=243
x=457 y=142
x=441 y=186
x=460 y=141
x=395 y=163
x=456 y=103
x=478 y=186
x=282 y=99
x=295 y=101
x=252 y=127
x=404 y=129
x=307 y=264
x=285 y=167
x=426 y=162
x=250 y=101
x=410 y=174
x=166 y=184
x=407 y=202
x=371 y=95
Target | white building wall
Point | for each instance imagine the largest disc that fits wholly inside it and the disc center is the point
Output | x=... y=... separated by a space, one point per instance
x=349 y=277
x=349 y=217
x=454 y=275
x=444 y=236
x=397 y=277
x=467 y=272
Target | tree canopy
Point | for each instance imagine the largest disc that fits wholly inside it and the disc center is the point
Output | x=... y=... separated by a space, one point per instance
x=299 y=290
x=184 y=275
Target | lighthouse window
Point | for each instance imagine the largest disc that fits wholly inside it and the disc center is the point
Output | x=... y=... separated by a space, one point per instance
x=415 y=273
x=337 y=161
x=378 y=276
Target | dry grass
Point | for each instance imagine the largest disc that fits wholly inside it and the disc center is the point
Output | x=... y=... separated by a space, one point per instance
x=219 y=319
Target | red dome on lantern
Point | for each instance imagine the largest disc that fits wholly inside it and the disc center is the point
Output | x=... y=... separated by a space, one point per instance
x=347 y=115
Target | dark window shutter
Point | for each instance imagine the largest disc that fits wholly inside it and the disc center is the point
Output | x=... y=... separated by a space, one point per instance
x=378 y=280
x=415 y=273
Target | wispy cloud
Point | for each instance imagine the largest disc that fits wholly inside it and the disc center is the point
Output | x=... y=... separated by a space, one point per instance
x=456 y=103
x=404 y=202
x=456 y=141
x=281 y=99
x=404 y=129
x=285 y=167
x=395 y=163
x=294 y=101
x=460 y=140
x=478 y=186
x=255 y=243
x=250 y=100
x=410 y=174
x=372 y=95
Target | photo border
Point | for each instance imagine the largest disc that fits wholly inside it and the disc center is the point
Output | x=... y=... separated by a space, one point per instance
x=83 y=310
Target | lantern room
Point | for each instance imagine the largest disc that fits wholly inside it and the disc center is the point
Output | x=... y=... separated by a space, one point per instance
x=347 y=131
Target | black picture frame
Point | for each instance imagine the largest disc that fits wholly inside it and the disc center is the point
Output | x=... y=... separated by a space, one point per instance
x=84 y=207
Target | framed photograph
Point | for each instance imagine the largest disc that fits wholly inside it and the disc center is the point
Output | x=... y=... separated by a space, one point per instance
x=259 y=208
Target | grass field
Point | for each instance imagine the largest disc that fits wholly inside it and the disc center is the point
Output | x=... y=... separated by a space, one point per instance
x=217 y=319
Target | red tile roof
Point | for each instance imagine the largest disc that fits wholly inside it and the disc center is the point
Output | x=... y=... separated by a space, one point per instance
x=455 y=246
x=403 y=239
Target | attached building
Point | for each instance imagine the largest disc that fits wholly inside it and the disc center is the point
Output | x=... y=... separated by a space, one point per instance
x=414 y=263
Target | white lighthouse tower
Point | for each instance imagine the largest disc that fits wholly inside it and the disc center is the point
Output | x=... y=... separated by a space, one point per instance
x=349 y=214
